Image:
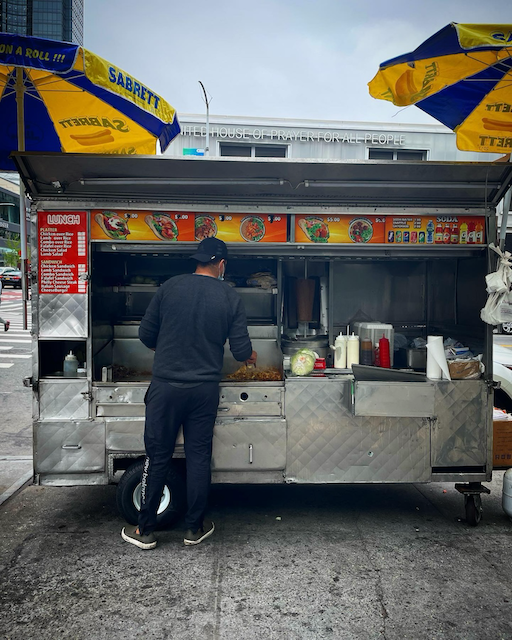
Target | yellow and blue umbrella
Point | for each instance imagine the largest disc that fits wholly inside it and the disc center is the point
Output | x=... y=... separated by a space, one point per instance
x=56 y=96
x=462 y=76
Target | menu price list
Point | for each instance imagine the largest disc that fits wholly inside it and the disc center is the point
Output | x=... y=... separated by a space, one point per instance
x=62 y=252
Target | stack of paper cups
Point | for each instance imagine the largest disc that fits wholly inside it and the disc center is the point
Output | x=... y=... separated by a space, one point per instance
x=437 y=366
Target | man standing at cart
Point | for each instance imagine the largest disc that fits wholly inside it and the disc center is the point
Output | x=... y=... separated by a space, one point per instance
x=187 y=324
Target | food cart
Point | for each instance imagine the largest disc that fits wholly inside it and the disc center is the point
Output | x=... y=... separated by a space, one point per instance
x=405 y=244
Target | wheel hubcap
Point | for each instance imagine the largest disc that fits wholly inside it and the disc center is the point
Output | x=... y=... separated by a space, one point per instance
x=165 y=501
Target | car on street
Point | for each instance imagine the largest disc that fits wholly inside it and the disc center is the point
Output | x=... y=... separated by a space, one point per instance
x=11 y=278
x=6 y=270
x=502 y=371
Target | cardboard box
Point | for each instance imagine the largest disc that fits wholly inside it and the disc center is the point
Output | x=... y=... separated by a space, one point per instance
x=464 y=369
x=502 y=443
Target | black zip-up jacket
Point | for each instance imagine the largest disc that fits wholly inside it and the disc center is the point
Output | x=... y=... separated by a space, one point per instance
x=188 y=322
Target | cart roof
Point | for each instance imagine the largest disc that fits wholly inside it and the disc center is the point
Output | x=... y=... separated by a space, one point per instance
x=89 y=177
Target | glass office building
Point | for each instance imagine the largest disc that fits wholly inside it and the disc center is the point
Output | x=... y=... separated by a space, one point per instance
x=55 y=19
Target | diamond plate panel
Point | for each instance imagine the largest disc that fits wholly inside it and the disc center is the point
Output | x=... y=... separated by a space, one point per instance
x=69 y=447
x=237 y=442
x=461 y=432
x=124 y=434
x=327 y=444
x=63 y=400
x=63 y=315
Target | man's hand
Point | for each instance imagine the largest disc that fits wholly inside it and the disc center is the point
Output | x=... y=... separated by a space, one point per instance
x=252 y=359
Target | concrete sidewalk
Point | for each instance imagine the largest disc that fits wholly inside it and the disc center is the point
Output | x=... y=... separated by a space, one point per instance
x=285 y=562
x=15 y=472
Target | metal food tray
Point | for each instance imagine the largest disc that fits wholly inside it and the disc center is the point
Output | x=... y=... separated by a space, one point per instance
x=368 y=373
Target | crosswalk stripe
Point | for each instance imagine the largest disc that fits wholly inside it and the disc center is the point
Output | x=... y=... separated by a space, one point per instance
x=6 y=365
x=14 y=355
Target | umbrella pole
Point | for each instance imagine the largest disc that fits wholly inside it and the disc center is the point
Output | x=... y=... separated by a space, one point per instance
x=20 y=96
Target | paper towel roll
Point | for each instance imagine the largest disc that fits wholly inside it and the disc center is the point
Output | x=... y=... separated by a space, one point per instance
x=437 y=367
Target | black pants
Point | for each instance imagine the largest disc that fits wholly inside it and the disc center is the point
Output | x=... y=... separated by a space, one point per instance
x=168 y=407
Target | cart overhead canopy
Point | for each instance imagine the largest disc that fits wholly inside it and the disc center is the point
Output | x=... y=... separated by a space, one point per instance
x=70 y=177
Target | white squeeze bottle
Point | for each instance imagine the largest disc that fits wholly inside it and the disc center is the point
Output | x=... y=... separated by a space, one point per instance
x=352 y=350
x=70 y=365
x=340 y=352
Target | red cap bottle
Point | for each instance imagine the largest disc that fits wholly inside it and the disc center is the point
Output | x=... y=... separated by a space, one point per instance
x=385 y=360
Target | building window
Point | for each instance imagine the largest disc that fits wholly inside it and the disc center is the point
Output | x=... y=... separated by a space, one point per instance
x=392 y=154
x=238 y=150
x=253 y=150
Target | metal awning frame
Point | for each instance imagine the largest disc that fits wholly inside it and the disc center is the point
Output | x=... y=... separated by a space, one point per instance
x=263 y=182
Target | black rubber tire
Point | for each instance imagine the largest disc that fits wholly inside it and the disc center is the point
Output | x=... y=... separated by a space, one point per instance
x=129 y=485
x=473 y=511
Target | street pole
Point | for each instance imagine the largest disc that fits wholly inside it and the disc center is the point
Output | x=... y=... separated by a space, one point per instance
x=207 y=102
x=20 y=96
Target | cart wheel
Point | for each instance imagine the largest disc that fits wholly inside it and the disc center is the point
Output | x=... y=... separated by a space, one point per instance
x=473 y=504
x=128 y=496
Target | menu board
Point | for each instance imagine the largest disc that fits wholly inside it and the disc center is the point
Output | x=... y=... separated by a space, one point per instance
x=62 y=251
x=340 y=229
x=241 y=227
x=147 y=226
x=435 y=230
x=389 y=229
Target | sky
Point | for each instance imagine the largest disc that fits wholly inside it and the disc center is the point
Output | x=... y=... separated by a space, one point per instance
x=305 y=59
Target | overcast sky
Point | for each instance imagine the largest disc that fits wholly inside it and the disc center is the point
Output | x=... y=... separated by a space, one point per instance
x=273 y=58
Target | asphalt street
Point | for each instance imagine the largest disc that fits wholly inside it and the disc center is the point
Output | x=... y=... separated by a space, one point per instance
x=293 y=562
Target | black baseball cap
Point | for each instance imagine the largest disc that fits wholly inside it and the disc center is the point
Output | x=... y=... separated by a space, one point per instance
x=211 y=249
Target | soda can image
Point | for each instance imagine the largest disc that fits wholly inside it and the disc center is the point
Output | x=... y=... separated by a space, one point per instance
x=406 y=236
x=391 y=236
x=414 y=236
x=398 y=236
x=421 y=237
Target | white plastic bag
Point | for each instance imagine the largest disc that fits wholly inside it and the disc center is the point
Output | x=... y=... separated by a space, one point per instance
x=498 y=307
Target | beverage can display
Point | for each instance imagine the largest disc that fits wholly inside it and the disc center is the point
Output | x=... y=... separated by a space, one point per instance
x=463 y=234
x=479 y=233
x=471 y=233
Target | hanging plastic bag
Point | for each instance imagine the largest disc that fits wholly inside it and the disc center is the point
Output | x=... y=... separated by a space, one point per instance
x=498 y=307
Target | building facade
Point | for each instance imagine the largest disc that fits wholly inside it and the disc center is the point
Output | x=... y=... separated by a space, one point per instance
x=9 y=213
x=319 y=139
x=54 y=19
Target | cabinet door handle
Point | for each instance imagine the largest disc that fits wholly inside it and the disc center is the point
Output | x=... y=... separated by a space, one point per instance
x=250 y=453
x=73 y=447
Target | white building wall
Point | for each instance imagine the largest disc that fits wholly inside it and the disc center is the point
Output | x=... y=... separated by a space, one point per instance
x=320 y=139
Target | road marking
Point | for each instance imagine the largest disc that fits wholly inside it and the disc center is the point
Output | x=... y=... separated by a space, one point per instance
x=6 y=365
x=13 y=355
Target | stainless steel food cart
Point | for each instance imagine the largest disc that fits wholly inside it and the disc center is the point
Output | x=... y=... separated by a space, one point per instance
x=313 y=429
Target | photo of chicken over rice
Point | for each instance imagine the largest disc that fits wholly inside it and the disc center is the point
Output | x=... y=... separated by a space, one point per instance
x=205 y=227
x=360 y=230
x=252 y=229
